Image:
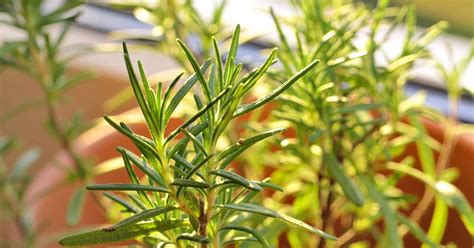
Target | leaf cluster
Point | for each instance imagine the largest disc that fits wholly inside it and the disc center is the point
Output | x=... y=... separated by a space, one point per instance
x=350 y=122
x=189 y=194
x=43 y=57
x=15 y=180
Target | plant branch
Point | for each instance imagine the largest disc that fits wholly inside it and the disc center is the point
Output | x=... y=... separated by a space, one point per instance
x=63 y=140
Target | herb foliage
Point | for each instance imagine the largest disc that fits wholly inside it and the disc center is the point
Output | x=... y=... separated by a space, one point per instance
x=189 y=194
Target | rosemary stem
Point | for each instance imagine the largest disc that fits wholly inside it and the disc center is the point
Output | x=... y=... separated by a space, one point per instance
x=443 y=160
x=326 y=214
x=63 y=140
x=45 y=80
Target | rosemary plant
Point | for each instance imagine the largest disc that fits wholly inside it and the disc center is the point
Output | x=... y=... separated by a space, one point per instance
x=14 y=183
x=350 y=118
x=41 y=55
x=38 y=55
x=189 y=195
x=172 y=19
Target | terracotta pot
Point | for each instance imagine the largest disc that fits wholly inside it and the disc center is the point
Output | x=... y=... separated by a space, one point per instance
x=462 y=158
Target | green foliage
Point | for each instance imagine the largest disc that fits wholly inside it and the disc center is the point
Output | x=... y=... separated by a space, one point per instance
x=172 y=19
x=186 y=174
x=41 y=56
x=15 y=181
x=349 y=119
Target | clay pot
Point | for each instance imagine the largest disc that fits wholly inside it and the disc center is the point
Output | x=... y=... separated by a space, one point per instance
x=462 y=158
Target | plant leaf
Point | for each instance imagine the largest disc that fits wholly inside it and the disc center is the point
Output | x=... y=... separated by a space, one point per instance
x=200 y=75
x=193 y=171
x=250 y=231
x=218 y=58
x=25 y=161
x=141 y=144
x=447 y=191
x=455 y=198
x=141 y=216
x=121 y=201
x=183 y=91
x=337 y=172
x=152 y=174
x=438 y=221
x=190 y=183
x=76 y=204
x=231 y=56
x=233 y=151
x=415 y=229
x=276 y=92
x=138 y=92
x=197 y=115
x=256 y=209
x=194 y=238
x=235 y=178
x=120 y=233
x=127 y=187
x=393 y=240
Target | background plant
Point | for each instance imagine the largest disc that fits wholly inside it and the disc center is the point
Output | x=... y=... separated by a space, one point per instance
x=172 y=19
x=196 y=197
x=15 y=181
x=349 y=118
x=44 y=58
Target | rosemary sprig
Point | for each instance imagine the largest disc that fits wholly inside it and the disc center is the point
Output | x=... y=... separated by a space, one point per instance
x=345 y=115
x=190 y=181
x=39 y=55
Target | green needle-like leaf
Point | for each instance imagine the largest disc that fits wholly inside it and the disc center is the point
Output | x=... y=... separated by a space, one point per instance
x=141 y=216
x=138 y=93
x=193 y=238
x=251 y=81
x=127 y=187
x=196 y=142
x=455 y=198
x=122 y=202
x=276 y=92
x=235 y=178
x=337 y=172
x=256 y=209
x=187 y=183
x=193 y=171
x=415 y=229
x=76 y=204
x=120 y=233
x=197 y=115
x=200 y=75
x=140 y=143
x=232 y=55
x=390 y=218
x=250 y=231
x=218 y=58
x=183 y=91
x=152 y=174
x=235 y=150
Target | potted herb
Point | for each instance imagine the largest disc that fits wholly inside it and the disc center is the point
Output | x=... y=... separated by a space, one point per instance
x=188 y=195
x=351 y=123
